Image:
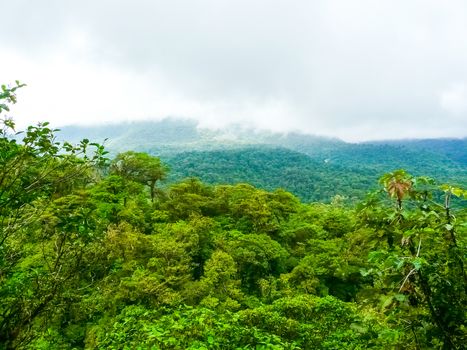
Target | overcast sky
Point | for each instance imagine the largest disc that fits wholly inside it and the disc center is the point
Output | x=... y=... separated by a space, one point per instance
x=355 y=69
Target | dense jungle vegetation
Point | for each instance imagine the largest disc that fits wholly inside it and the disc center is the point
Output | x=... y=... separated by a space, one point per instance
x=267 y=168
x=96 y=254
x=309 y=178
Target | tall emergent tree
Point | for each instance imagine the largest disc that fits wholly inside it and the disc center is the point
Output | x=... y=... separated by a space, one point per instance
x=140 y=167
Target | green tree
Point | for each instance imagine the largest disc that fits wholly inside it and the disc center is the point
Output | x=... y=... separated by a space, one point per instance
x=421 y=272
x=33 y=276
x=140 y=167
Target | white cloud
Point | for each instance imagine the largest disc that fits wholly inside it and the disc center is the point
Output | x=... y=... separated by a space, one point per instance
x=454 y=100
x=358 y=69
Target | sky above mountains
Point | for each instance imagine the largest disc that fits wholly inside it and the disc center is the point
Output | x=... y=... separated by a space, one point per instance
x=354 y=69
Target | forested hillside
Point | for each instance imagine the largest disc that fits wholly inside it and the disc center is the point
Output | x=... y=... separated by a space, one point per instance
x=322 y=168
x=454 y=149
x=382 y=158
x=347 y=173
x=271 y=168
x=96 y=254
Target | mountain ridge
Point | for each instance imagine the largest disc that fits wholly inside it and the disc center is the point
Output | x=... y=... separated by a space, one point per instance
x=315 y=168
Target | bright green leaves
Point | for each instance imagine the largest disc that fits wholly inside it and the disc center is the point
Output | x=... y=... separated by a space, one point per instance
x=310 y=322
x=422 y=269
x=290 y=323
x=418 y=263
x=256 y=210
x=220 y=281
x=47 y=227
x=190 y=197
x=141 y=168
x=183 y=328
x=456 y=191
x=220 y=269
x=8 y=95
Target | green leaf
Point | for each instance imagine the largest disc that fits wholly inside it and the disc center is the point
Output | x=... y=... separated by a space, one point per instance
x=418 y=263
x=400 y=297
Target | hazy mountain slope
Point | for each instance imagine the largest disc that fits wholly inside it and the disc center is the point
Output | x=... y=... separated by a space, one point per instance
x=171 y=136
x=139 y=136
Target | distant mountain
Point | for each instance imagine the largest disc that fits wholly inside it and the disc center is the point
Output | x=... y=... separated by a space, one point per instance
x=383 y=157
x=454 y=149
x=155 y=137
x=172 y=136
x=312 y=167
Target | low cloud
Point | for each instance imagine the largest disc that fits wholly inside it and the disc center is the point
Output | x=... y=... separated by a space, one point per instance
x=357 y=70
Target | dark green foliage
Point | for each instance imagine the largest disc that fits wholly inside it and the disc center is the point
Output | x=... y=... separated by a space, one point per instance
x=349 y=171
x=382 y=158
x=271 y=168
x=453 y=149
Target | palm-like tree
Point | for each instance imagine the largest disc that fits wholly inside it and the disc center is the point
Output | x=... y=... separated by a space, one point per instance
x=397 y=184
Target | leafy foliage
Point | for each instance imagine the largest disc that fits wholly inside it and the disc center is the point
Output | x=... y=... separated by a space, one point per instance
x=272 y=168
x=96 y=256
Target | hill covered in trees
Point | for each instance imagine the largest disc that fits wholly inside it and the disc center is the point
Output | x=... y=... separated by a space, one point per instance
x=311 y=167
x=170 y=136
x=96 y=254
x=272 y=168
x=348 y=173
